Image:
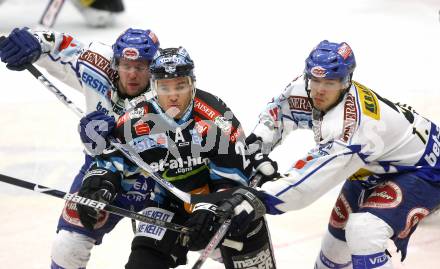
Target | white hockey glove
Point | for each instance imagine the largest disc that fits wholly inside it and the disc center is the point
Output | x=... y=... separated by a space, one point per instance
x=260 y=160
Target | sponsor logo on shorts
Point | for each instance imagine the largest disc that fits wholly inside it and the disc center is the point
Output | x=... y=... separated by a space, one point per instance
x=412 y=219
x=340 y=212
x=386 y=195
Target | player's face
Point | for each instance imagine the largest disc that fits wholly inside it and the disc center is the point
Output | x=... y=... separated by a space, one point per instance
x=133 y=76
x=174 y=95
x=325 y=92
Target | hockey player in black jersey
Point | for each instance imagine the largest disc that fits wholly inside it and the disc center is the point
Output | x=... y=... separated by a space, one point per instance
x=193 y=140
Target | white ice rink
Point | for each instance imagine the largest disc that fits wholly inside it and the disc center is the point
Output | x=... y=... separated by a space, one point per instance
x=245 y=52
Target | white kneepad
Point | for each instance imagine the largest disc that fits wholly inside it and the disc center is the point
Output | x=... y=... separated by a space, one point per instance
x=71 y=250
x=367 y=237
x=334 y=254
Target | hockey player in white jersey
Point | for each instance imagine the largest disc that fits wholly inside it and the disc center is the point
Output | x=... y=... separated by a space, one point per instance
x=108 y=76
x=387 y=154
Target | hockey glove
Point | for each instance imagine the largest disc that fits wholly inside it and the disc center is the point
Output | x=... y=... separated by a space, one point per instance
x=19 y=49
x=203 y=224
x=244 y=206
x=100 y=185
x=260 y=161
x=94 y=129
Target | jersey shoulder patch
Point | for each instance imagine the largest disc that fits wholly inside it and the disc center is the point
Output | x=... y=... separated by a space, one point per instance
x=368 y=101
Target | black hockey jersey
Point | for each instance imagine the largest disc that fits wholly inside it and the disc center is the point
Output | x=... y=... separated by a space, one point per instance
x=202 y=152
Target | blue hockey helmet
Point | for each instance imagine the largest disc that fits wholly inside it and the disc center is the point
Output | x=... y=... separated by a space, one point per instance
x=331 y=61
x=171 y=63
x=136 y=44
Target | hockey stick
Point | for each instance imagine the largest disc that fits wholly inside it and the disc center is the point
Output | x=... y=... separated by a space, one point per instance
x=221 y=232
x=92 y=203
x=50 y=14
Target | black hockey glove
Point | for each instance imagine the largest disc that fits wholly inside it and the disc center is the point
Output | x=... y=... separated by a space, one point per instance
x=244 y=206
x=204 y=224
x=19 y=49
x=94 y=129
x=260 y=160
x=100 y=185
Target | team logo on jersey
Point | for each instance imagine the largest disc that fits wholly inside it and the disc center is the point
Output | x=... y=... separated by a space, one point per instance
x=195 y=137
x=340 y=212
x=141 y=128
x=300 y=103
x=386 y=195
x=318 y=71
x=412 y=219
x=95 y=82
x=205 y=110
x=135 y=113
x=235 y=135
x=369 y=102
x=350 y=118
x=150 y=230
x=201 y=126
x=130 y=53
x=100 y=62
x=137 y=188
x=146 y=142
x=179 y=164
x=100 y=107
x=432 y=149
x=223 y=124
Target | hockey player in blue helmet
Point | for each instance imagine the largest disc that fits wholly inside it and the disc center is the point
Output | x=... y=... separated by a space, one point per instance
x=384 y=153
x=109 y=77
x=329 y=66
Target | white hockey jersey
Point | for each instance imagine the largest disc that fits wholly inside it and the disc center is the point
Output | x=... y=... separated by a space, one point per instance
x=85 y=68
x=365 y=137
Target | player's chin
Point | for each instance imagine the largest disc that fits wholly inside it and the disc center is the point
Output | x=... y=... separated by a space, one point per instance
x=133 y=91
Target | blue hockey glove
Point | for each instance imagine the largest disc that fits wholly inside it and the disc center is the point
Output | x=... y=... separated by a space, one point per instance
x=100 y=185
x=94 y=129
x=19 y=49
